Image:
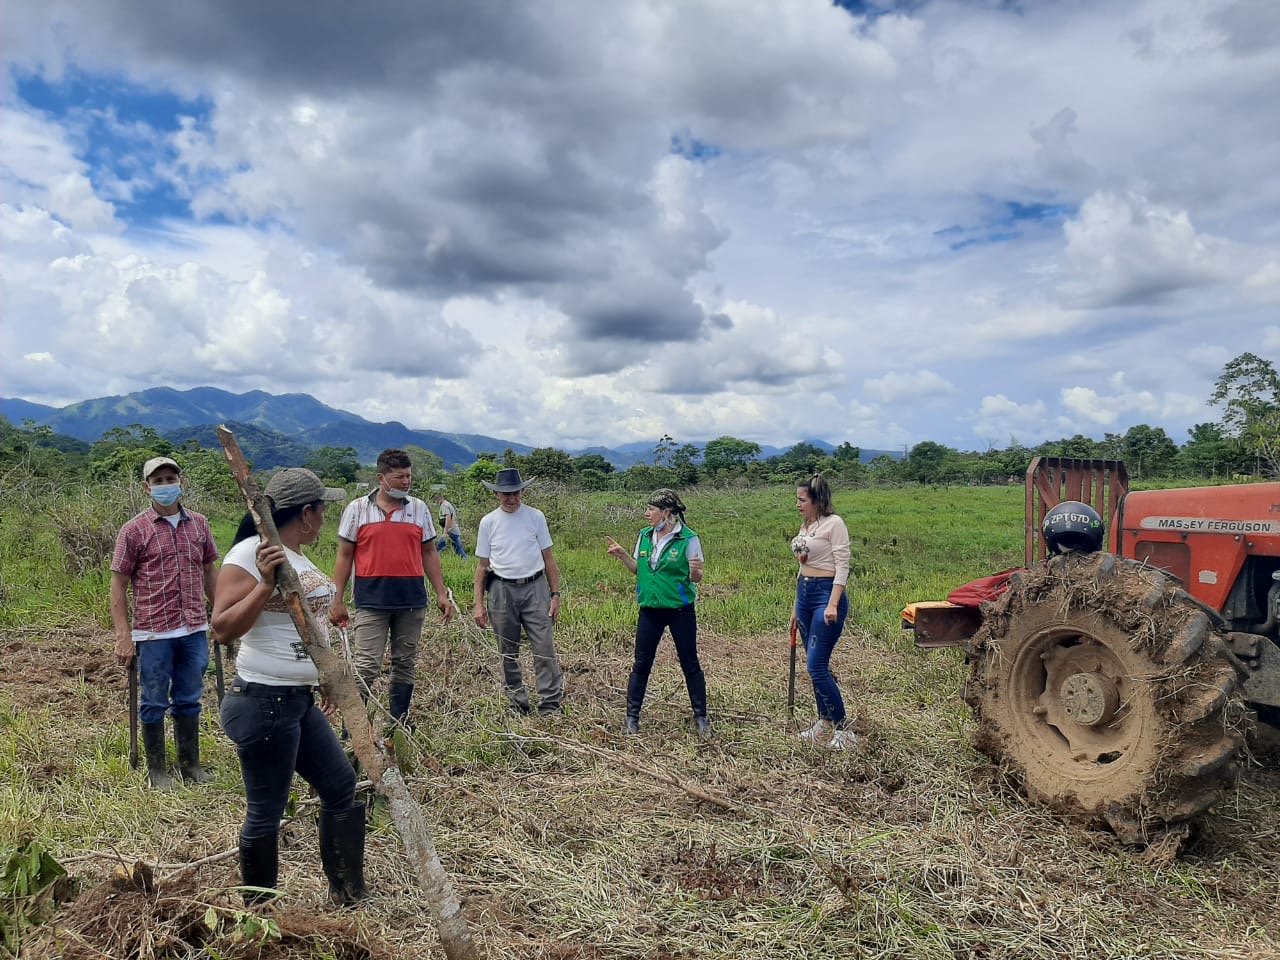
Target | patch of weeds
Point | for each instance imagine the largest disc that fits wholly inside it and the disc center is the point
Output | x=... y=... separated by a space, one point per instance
x=30 y=885
x=241 y=925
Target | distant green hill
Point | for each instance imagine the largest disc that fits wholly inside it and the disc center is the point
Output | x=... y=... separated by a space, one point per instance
x=370 y=439
x=16 y=411
x=283 y=430
x=272 y=430
x=265 y=449
x=165 y=409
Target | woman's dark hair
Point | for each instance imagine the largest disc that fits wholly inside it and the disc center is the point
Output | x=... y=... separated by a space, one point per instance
x=249 y=529
x=819 y=492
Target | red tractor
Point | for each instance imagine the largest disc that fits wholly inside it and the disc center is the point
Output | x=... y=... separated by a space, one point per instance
x=1114 y=684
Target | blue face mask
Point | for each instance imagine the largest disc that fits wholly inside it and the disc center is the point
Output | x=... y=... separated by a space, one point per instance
x=395 y=493
x=166 y=494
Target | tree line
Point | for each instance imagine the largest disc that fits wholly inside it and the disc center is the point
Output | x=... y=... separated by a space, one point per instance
x=1243 y=442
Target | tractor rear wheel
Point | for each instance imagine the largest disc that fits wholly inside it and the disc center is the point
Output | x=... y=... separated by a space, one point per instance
x=1106 y=691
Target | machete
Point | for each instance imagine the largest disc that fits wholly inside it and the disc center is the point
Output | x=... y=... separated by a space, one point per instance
x=133 y=712
x=219 y=678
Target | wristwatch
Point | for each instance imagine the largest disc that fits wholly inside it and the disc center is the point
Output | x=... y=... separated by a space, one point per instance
x=555 y=593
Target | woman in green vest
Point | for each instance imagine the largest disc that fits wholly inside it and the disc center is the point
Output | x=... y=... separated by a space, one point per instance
x=667 y=562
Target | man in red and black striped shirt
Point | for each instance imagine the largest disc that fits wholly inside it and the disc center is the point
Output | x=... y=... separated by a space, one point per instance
x=390 y=540
x=168 y=557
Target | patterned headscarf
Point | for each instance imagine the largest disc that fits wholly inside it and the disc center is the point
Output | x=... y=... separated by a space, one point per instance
x=667 y=499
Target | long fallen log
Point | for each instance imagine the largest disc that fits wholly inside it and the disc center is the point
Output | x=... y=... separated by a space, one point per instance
x=337 y=683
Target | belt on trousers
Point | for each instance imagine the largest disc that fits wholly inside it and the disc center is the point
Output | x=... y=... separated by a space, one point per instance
x=529 y=579
x=269 y=689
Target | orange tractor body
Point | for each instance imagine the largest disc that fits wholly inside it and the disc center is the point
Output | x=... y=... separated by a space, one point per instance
x=1221 y=543
x=1115 y=683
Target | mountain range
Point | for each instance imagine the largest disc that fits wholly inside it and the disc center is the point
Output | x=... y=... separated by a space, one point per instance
x=281 y=430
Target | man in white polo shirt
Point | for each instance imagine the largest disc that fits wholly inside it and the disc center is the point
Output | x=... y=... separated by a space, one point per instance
x=519 y=572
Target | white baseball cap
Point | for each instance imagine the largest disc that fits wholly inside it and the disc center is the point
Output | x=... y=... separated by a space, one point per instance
x=155 y=463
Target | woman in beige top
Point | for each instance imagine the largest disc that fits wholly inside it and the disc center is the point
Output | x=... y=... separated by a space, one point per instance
x=822 y=547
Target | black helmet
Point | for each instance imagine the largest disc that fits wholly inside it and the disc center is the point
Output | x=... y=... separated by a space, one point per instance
x=1072 y=525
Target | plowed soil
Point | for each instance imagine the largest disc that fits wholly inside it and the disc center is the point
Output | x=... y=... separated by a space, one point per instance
x=913 y=845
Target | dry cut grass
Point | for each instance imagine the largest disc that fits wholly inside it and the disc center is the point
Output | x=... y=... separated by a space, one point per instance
x=569 y=840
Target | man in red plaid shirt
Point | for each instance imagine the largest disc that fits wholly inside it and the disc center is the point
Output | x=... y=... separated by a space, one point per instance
x=167 y=555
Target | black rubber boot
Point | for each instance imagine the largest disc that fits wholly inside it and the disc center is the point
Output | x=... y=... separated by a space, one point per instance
x=635 y=700
x=186 y=734
x=153 y=741
x=342 y=854
x=398 y=699
x=698 y=702
x=259 y=867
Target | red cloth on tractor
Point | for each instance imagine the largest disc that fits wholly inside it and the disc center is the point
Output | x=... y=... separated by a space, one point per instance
x=977 y=592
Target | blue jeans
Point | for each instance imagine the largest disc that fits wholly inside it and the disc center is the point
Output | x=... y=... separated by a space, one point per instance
x=812 y=596
x=277 y=731
x=171 y=676
x=456 y=537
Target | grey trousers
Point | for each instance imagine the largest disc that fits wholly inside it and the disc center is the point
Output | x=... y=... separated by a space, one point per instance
x=372 y=629
x=515 y=605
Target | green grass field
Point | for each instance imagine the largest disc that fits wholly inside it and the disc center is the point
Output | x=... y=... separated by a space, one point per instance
x=569 y=840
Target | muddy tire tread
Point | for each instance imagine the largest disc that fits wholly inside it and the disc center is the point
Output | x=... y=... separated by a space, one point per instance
x=1195 y=711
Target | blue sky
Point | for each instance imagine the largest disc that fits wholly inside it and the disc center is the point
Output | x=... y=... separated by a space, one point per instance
x=121 y=131
x=875 y=222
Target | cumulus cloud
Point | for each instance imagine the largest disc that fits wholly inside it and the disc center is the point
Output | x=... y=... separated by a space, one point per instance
x=476 y=153
x=1122 y=403
x=1265 y=281
x=1085 y=403
x=1123 y=250
x=39 y=169
x=1057 y=155
x=750 y=350
x=274 y=323
x=999 y=418
x=601 y=221
x=917 y=385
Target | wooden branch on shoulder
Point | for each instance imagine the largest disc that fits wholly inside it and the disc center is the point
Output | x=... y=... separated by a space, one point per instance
x=455 y=931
